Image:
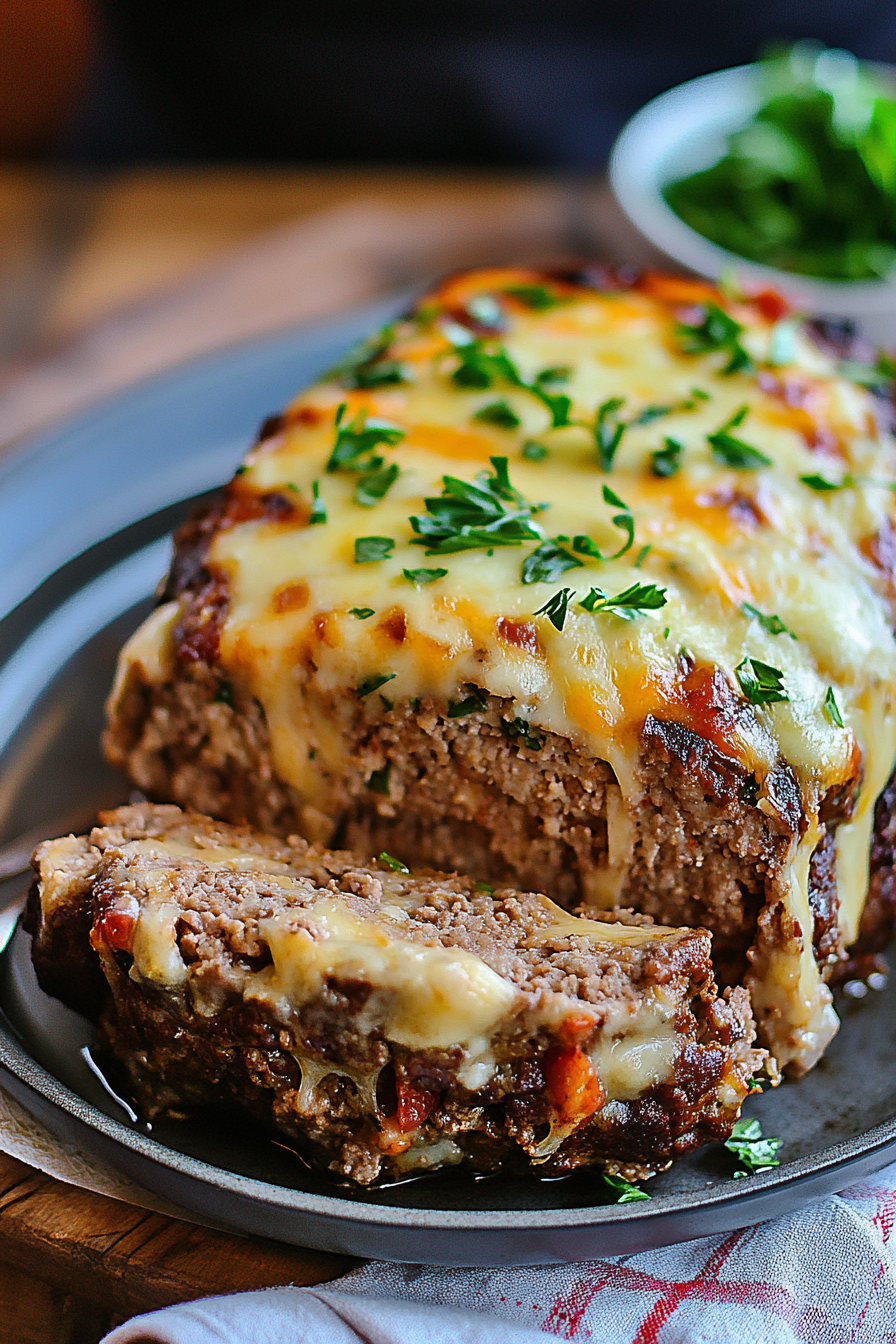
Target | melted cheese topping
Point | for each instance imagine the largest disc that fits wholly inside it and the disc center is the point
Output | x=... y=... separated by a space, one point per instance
x=718 y=537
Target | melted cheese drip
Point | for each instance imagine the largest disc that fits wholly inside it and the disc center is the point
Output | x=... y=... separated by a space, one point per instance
x=718 y=538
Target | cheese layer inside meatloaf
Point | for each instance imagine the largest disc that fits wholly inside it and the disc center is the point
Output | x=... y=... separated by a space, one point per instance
x=392 y=1021
x=572 y=583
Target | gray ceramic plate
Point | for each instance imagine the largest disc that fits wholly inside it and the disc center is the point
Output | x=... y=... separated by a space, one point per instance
x=84 y=516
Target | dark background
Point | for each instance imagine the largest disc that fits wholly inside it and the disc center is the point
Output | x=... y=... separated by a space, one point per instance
x=545 y=83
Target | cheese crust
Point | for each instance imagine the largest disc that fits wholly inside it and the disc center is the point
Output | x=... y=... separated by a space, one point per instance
x=713 y=758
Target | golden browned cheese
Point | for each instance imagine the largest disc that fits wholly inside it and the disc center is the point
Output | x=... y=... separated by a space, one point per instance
x=758 y=531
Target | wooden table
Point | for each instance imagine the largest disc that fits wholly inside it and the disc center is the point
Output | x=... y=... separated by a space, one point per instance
x=75 y=254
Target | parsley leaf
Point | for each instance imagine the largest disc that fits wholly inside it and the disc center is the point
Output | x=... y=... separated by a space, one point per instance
x=625 y=1192
x=761 y=683
x=716 y=331
x=356 y=441
x=649 y=414
x=498 y=413
x=608 y=430
x=520 y=730
x=318 y=507
x=533 y=452
x=373 y=683
x=816 y=481
x=734 y=452
x=477 y=703
x=754 y=1152
x=375 y=485
x=366 y=365
x=480 y=367
x=537 y=297
x=629 y=603
x=623 y=520
x=485 y=887
x=361 y=613
x=379 y=780
x=469 y=516
x=547 y=562
x=557 y=373
x=773 y=624
x=832 y=709
x=556 y=608
x=666 y=461
x=421 y=577
x=395 y=864
x=368 y=549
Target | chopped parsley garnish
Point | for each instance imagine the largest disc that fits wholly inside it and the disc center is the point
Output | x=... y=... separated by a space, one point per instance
x=476 y=515
x=379 y=780
x=481 y=366
x=608 y=430
x=816 y=481
x=832 y=709
x=291 y=485
x=366 y=364
x=395 y=864
x=666 y=461
x=386 y=702
x=485 y=887
x=625 y=1192
x=520 y=730
x=754 y=1152
x=356 y=442
x=642 y=555
x=498 y=413
x=733 y=452
x=761 y=683
x=716 y=331
x=557 y=373
x=241 y=469
x=224 y=694
x=556 y=608
x=649 y=414
x=533 y=452
x=362 y=613
x=318 y=507
x=547 y=562
x=628 y=604
x=537 y=297
x=375 y=485
x=373 y=683
x=477 y=703
x=421 y=577
x=623 y=520
x=773 y=624
x=368 y=549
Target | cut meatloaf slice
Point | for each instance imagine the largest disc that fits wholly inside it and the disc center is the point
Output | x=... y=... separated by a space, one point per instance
x=388 y=1021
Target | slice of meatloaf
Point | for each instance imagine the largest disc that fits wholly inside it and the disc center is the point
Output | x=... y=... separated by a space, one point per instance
x=568 y=583
x=388 y=1021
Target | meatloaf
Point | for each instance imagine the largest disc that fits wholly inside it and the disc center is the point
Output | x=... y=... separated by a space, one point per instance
x=389 y=1021
x=576 y=582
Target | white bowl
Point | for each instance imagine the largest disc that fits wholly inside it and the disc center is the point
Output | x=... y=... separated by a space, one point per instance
x=684 y=131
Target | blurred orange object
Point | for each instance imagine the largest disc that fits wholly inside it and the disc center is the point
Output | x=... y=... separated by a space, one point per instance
x=45 y=49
